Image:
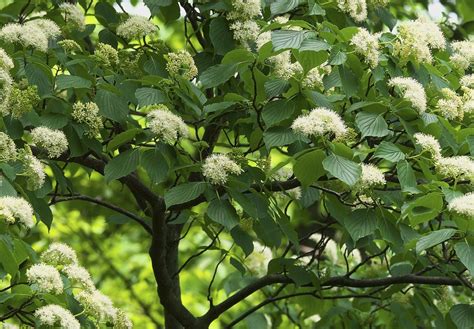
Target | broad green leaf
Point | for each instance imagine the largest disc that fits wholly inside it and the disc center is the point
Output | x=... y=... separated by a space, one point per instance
x=362 y=222
x=221 y=36
x=350 y=84
x=462 y=316
x=222 y=212
x=217 y=75
x=8 y=259
x=242 y=239
x=184 y=193
x=287 y=39
x=389 y=151
x=40 y=76
x=279 y=136
x=314 y=45
x=423 y=208
x=155 y=165
x=122 y=165
x=150 y=96
x=407 y=177
x=283 y=6
x=433 y=239
x=309 y=167
x=277 y=111
x=274 y=88
x=337 y=56
x=111 y=105
x=214 y=107
x=122 y=138
x=71 y=81
x=346 y=170
x=371 y=124
x=465 y=252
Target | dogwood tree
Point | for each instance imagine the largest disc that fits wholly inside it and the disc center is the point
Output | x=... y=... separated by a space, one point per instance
x=324 y=147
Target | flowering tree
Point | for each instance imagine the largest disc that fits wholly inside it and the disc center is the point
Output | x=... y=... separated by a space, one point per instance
x=325 y=149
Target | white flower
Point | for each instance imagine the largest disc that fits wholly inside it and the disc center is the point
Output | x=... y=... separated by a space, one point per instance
x=19 y=209
x=357 y=9
x=218 y=167
x=47 y=26
x=121 y=321
x=56 y=316
x=73 y=16
x=136 y=27
x=463 y=205
x=244 y=9
x=371 y=176
x=33 y=170
x=463 y=54
x=165 y=125
x=53 y=141
x=467 y=81
x=245 y=31
x=331 y=249
x=319 y=122
x=263 y=38
x=27 y=35
x=6 y=62
x=417 y=38
x=88 y=114
x=412 y=90
x=257 y=262
x=367 y=44
x=283 y=68
x=97 y=305
x=79 y=277
x=59 y=254
x=451 y=105
x=455 y=167
x=468 y=100
x=181 y=64
x=45 y=278
x=429 y=144
x=7 y=148
x=106 y=54
x=6 y=85
x=70 y=46
x=314 y=77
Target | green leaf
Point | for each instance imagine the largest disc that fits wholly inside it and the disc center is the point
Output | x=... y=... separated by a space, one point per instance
x=337 y=56
x=433 y=239
x=308 y=167
x=277 y=111
x=122 y=138
x=150 y=96
x=424 y=208
x=242 y=239
x=286 y=39
x=217 y=75
x=155 y=165
x=221 y=36
x=462 y=316
x=406 y=177
x=111 y=105
x=465 y=252
x=279 y=136
x=71 y=81
x=362 y=222
x=371 y=124
x=122 y=165
x=275 y=88
x=346 y=170
x=8 y=259
x=40 y=76
x=214 y=107
x=184 y=193
x=283 y=6
x=389 y=151
x=350 y=84
x=155 y=5
x=222 y=212
x=314 y=45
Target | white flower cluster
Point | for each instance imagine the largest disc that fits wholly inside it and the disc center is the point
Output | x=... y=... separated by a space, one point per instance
x=56 y=316
x=218 y=167
x=456 y=167
x=371 y=177
x=136 y=27
x=244 y=9
x=467 y=81
x=7 y=148
x=34 y=34
x=51 y=140
x=283 y=68
x=6 y=86
x=314 y=77
x=463 y=54
x=6 y=63
x=242 y=16
x=107 y=55
x=357 y=9
x=463 y=205
x=165 y=125
x=429 y=144
x=73 y=16
x=246 y=32
x=58 y=258
x=257 y=262
x=45 y=279
x=16 y=209
x=33 y=171
x=181 y=64
x=263 y=38
x=88 y=114
x=467 y=86
x=451 y=106
x=412 y=90
x=70 y=46
x=318 y=122
x=367 y=45
x=417 y=38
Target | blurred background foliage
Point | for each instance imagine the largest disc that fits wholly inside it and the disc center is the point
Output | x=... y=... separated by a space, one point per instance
x=115 y=250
